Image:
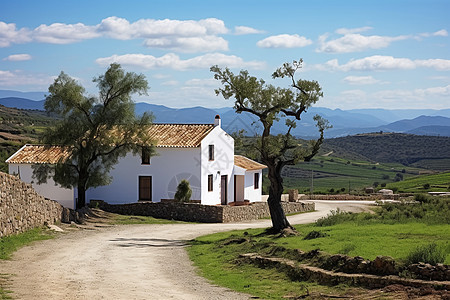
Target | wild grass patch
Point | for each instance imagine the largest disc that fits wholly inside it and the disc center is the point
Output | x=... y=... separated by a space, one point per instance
x=12 y=243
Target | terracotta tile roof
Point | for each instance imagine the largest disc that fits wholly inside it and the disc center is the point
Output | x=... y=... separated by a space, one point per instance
x=165 y=135
x=247 y=164
x=179 y=135
x=38 y=154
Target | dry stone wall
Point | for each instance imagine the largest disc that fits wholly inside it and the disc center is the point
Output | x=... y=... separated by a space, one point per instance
x=192 y=212
x=21 y=208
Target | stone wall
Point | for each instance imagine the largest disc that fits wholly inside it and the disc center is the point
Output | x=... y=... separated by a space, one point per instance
x=21 y=208
x=192 y=212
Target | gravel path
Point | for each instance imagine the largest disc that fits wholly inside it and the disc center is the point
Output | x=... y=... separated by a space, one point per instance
x=128 y=262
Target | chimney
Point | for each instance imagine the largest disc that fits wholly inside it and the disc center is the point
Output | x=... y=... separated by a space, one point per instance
x=217 y=121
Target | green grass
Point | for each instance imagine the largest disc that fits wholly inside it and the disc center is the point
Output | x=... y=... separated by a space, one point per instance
x=12 y=243
x=5 y=294
x=438 y=183
x=396 y=230
x=337 y=173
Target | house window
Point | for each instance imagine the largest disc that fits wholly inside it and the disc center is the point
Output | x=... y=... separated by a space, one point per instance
x=256 y=184
x=211 y=152
x=145 y=188
x=145 y=156
x=210 y=183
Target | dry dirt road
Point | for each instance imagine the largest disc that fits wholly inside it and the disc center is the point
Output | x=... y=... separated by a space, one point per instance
x=127 y=262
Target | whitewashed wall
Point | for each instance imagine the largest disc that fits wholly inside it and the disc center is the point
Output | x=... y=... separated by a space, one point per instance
x=167 y=170
x=250 y=193
x=223 y=163
x=49 y=190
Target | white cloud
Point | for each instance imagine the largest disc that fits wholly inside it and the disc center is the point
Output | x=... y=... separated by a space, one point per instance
x=10 y=35
x=189 y=44
x=360 y=80
x=441 y=32
x=437 y=64
x=353 y=42
x=344 y=31
x=58 y=33
x=173 y=61
x=18 y=57
x=179 y=35
x=384 y=63
x=19 y=78
x=284 y=41
x=242 y=30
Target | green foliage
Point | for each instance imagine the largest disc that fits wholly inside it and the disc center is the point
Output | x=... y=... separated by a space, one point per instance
x=269 y=103
x=409 y=150
x=423 y=198
x=416 y=184
x=184 y=191
x=334 y=217
x=12 y=243
x=429 y=253
x=96 y=131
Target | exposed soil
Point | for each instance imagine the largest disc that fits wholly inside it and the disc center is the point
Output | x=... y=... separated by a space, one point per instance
x=126 y=262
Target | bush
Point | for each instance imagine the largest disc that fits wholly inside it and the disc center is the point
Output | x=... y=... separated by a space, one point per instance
x=422 y=198
x=184 y=191
x=430 y=254
x=334 y=217
x=385 y=177
x=426 y=186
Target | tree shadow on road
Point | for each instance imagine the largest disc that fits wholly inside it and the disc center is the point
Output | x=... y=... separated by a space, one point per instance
x=145 y=242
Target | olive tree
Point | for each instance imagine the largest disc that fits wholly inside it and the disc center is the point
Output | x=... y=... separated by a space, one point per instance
x=269 y=103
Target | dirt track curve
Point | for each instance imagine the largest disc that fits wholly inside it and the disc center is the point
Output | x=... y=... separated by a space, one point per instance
x=127 y=262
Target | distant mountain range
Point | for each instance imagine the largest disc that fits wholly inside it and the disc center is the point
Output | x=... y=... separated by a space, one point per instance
x=345 y=122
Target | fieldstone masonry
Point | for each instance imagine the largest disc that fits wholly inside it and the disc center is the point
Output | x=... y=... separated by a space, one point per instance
x=21 y=208
x=192 y=212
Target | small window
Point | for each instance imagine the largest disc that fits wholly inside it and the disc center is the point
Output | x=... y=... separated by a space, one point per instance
x=210 y=183
x=256 y=184
x=145 y=156
x=211 y=152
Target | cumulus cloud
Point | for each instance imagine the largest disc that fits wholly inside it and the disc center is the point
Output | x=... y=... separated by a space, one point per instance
x=189 y=44
x=384 y=63
x=179 y=35
x=18 y=57
x=173 y=61
x=284 y=41
x=9 y=34
x=241 y=30
x=360 y=80
x=354 y=42
x=59 y=33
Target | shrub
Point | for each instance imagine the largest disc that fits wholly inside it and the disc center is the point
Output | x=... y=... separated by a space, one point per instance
x=385 y=177
x=334 y=217
x=430 y=254
x=383 y=184
x=422 y=198
x=184 y=191
x=426 y=186
x=375 y=184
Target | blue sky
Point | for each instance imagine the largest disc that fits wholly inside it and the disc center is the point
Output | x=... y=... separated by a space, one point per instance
x=365 y=54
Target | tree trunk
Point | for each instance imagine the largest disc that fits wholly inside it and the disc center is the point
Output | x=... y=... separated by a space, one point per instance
x=279 y=220
x=81 y=201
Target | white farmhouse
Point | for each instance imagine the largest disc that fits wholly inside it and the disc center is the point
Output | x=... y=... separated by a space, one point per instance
x=201 y=153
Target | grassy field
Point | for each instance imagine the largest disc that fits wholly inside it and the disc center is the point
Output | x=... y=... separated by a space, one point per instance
x=333 y=175
x=395 y=230
x=425 y=183
x=11 y=243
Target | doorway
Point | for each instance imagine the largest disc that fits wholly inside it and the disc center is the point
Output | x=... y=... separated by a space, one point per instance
x=224 y=189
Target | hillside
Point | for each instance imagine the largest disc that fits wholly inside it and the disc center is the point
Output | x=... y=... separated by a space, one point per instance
x=431 y=152
x=18 y=127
